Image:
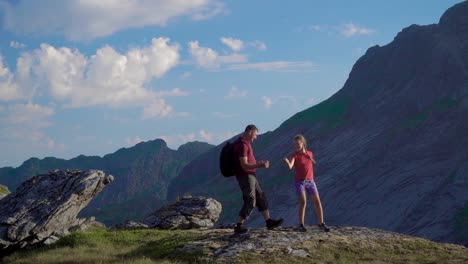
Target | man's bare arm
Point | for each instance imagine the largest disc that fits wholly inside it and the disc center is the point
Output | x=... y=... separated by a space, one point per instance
x=246 y=166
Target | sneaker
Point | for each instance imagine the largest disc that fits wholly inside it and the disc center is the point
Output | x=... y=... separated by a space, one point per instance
x=240 y=229
x=301 y=228
x=324 y=227
x=271 y=224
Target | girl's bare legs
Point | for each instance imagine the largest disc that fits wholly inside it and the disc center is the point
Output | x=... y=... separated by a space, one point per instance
x=318 y=208
x=302 y=207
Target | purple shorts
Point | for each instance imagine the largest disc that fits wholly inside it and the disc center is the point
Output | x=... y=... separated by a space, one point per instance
x=305 y=186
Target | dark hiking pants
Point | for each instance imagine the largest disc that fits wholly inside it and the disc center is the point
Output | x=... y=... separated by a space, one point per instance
x=253 y=195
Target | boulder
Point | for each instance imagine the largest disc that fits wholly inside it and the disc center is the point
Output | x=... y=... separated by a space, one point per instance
x=131 y=225
x=187 y=213
x=44 y=208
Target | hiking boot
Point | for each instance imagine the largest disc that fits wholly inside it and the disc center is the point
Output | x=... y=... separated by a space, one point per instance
x=271 y=224
x=240 y=229
x=301 y=228
x=324 y=227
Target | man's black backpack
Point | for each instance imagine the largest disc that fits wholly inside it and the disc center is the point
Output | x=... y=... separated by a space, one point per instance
x=227 y=160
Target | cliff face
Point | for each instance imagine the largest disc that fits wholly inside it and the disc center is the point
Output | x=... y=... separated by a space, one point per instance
x=142 y=174
x=391 y=145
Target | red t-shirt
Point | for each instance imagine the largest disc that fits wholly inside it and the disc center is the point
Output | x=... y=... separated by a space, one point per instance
x=242 y=148
x=303 y=165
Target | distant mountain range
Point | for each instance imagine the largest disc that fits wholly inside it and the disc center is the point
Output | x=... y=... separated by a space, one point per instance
x=142 y=174
x=391 y=146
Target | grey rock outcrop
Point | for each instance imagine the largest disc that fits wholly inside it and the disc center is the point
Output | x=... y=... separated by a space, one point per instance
x=3 y=191
x=285 y=243
x=44 y=208
x=131 y=225
x=187 y=213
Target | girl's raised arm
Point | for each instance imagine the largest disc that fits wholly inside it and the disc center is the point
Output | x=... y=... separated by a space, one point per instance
x=289 y=163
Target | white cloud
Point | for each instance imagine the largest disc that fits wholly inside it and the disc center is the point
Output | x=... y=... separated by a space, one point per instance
x=174 y=141
x=9 y=89
x=350 y=29
x=258 y=45
x=17 y=45
x=206 y=136
x=315 y=27
x=305 y=28
x=347 y=30
x=311 y=101
x=173 y=92
x=234 y=44
x=22 y=130
x=106 y=78
x=210 y=10
x=235 y=93
x=88 y=19
x=275 y=66
x=267 y=102
x=157 y=109
x=133 y=141
x=293 y=102
x=29 y=113
x=186 y=75
x=208 y=58
x=23 y=124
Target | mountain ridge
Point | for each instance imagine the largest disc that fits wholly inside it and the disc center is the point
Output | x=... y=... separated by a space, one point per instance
x=141 y=172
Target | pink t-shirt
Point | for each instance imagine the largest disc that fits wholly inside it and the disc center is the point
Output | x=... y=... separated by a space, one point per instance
x=303 y=165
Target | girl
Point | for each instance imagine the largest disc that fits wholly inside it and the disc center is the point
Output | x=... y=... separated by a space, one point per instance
x=302 y=161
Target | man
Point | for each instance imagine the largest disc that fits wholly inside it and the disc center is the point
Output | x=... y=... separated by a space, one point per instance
x=252 y=192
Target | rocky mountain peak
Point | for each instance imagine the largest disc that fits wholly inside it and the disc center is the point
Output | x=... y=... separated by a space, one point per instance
x=455 y=20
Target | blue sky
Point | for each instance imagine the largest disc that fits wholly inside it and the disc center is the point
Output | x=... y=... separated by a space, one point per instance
x=89 y=77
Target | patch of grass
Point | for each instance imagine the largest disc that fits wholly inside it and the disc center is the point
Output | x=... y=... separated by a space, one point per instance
x=441 y=105
x=445 y=104
x=452 y=177
x=461 y=224
x=330 y=113
x=417 y=120
x=121 y=246
x=3 y=190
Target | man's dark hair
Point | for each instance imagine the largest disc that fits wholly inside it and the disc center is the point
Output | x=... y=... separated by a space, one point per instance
x=250 y=128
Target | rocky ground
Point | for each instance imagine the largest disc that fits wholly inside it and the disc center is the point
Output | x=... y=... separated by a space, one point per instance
x=342 y=245
x=285 y=245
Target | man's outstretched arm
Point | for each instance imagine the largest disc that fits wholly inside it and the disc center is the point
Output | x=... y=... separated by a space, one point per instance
x=247 y=166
